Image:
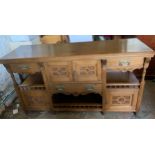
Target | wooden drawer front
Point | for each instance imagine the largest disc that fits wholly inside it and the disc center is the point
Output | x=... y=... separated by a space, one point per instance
x=35 y=99
x=59 y=71
x=76 y=88
x=124 y=99
x=87 y=70
x=25 y=68
x=126 y=63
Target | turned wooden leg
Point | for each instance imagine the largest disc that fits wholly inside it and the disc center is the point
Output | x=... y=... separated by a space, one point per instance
x=16 y=87
x=142 y=84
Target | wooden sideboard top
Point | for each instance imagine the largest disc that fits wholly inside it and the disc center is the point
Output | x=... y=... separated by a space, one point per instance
x=97 y=48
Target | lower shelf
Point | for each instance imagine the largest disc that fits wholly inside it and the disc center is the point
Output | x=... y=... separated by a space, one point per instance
x=89 y=102
x=77 y=108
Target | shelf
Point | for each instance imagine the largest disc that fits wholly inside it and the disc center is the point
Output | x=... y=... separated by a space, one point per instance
x=34 y=79
x=90 y=101
x=121 y=79
x=71 y=99
x=83 y=108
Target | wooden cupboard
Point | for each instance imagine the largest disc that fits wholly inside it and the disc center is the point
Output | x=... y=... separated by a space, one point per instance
x=91 y=76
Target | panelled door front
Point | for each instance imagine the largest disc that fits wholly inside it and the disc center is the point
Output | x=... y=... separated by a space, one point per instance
x=87 y=70
x=59 y=71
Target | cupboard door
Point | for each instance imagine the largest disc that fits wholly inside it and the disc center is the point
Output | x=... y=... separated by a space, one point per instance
x=35 y=99
x=124 y=99
x=59 y=71
x=87 y=70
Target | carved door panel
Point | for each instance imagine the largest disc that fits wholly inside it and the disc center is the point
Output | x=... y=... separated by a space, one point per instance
x=87 y=70
x=59 y=71
x=124 y=99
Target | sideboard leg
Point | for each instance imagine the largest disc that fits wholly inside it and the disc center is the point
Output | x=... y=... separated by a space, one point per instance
x=16 y=86
x=142 y=83
x=104 y=82
x=135 y=113
x=102 y=112
x=26 y=112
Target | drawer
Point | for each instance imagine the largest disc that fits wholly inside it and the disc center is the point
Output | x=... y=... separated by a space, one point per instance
x=121 y=99
x=125 y=63
x=25 y=68
x=76 y=88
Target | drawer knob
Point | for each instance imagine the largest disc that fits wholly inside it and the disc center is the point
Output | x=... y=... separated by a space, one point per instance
x=124 y=63
x=24 y=67
x=89 y=88
x=60 y=88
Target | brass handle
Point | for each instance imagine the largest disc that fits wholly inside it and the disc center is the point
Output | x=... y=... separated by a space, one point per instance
x=124 y=63
x=24 y=67
x=60 y=88
x=89 y=88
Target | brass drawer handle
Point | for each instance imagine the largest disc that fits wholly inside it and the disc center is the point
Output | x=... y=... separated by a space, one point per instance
x=89 y=88
x=24 y=67
x=60 y=88
x=124 y=63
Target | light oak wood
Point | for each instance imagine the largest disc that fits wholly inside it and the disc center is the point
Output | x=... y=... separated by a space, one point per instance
x=76 y=88
x=102 y=67
x=87 y=70
x=104 y=83
x=116 y=78
x=120 y=98
x=47 y=85
x=25 y=68
x=125 y=63
x=124 y=48
x=142 y=84
x=59 y=71
x=34 y=93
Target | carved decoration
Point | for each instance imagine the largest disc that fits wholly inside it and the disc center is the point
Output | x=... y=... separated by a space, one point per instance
x=87 y=70
x=121 y=100
x=59 y=71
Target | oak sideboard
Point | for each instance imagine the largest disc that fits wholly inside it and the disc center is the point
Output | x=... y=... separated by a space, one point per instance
x=90 y=76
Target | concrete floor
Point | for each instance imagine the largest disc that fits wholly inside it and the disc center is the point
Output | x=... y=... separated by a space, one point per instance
x=147 y=110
